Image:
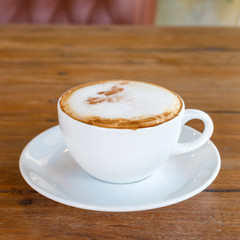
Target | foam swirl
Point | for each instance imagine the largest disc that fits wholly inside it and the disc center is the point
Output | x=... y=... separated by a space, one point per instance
x=121 y=104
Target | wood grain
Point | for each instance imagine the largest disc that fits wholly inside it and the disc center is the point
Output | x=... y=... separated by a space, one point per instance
x=38 y=63
x=210 y=217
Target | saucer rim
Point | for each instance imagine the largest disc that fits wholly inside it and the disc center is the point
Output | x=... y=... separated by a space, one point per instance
x=142 y=207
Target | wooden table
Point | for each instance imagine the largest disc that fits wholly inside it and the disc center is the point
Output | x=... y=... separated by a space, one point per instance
x=38 y=63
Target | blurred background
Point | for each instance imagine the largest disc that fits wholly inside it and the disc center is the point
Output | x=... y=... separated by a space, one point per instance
x=144 y=12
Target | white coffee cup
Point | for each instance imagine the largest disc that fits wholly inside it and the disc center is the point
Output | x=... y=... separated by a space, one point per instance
x=125 y=155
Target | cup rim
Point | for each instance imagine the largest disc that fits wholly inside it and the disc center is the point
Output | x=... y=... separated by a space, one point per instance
x=102 y=127
x=119 y=129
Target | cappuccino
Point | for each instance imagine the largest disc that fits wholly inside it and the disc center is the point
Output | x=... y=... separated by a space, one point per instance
x=121 y=104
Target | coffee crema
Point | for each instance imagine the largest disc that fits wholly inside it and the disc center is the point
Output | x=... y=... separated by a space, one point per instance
x=121 y=104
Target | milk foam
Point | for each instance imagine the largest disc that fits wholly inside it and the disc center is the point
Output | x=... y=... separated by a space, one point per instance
x=128 y=100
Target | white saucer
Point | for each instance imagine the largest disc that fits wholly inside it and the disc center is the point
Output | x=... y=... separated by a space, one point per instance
x=47 y=167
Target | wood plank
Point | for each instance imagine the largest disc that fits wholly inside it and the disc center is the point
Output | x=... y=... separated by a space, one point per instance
x=92 y=37
x=205 y=216
x=218 y=94
x=201 y=73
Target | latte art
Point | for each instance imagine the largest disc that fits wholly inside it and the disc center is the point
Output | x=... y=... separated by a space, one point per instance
x=121 y=104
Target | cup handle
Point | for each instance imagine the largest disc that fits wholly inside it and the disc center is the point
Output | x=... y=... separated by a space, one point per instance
x=205 y=136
